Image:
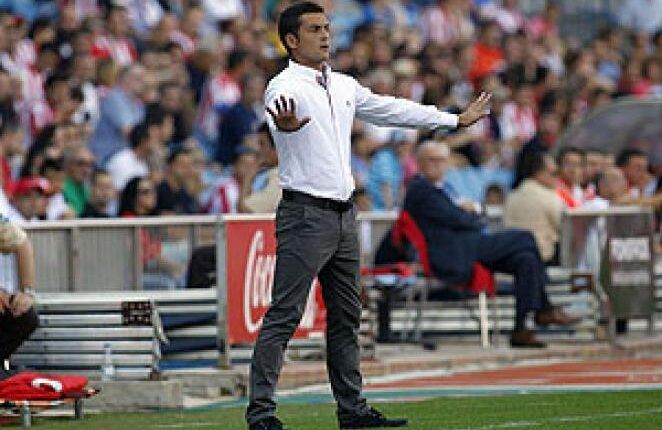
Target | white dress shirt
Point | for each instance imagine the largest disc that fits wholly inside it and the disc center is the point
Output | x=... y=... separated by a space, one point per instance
x=316 y=158
x=124 y=166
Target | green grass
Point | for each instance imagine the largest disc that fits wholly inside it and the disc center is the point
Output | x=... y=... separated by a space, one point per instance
x=632 y=410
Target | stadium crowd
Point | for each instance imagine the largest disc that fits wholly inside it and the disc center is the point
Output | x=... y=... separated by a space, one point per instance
x=146 y=107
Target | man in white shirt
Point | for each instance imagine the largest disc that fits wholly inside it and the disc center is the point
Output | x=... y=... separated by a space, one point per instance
x=132 y=162
x=311 y=110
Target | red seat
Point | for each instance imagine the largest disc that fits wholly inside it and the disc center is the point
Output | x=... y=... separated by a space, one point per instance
x=406 y=229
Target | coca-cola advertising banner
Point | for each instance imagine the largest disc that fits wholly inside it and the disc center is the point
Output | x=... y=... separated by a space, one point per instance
x=251 y=260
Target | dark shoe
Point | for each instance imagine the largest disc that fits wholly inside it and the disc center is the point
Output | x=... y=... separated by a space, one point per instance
x=554 y=315
x=269 y=423
x=371 y=419
x=525 y=339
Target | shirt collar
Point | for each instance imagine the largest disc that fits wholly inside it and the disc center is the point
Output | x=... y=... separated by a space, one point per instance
x=308 y=72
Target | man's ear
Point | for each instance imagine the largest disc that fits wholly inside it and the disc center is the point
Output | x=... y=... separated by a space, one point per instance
x=292 y=41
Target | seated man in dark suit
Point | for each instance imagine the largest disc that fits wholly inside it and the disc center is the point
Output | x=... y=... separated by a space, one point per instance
x=457 y=238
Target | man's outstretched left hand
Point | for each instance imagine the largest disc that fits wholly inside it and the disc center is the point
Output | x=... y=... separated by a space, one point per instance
x=475 y=111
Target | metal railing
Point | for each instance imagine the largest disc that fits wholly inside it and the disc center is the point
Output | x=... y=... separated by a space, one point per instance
x=117 y=254
x=146 y=253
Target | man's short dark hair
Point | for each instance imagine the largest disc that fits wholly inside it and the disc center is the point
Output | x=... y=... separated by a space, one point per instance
x=531 y=161
x=55 y=164
x=155 y=114
x=138 y=134
x=568 y=150
x=290 y=19
x=627 y=154
x=175 y=153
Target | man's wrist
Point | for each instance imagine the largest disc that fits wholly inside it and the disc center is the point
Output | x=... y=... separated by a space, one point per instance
x=29 y=291
x=462 y=120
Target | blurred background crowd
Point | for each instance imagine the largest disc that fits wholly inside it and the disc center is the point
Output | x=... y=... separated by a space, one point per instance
x=146 y=107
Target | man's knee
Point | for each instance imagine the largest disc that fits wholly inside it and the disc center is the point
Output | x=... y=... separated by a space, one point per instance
x=28 y=322
x=282 y=320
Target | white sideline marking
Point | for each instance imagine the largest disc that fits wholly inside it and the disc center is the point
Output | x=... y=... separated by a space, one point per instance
x=185 y=425
x=565 y=419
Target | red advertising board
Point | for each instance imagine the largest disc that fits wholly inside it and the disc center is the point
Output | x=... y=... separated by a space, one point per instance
x=251 y=260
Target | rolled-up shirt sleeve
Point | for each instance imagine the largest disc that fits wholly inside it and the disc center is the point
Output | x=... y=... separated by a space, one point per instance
x=398 y=112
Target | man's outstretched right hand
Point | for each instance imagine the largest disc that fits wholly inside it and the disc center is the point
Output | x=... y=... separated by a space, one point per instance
x=285 y=116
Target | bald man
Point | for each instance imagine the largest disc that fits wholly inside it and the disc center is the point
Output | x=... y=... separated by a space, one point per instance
x=457 y=238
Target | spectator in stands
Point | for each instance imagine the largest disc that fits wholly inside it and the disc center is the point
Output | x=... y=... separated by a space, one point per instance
x=138 y=198
x=634 y=164
x=571 y=176
x=241 y=119
x=121 y=110
x=263 y=193
x=221 y=92
x=595 y=164
x=456 y=239
x=11 y=146
x=102 y=194
x=84 y=70
x=535 y=206
x=611 y=189
x=385 y=177
x=53 y=171
x=363 y=147
x=225 y=194
x=78 y=165
x=161 y=123
x=132 y=162
x=18 y=318
x=173 y=197
x=176 y=103
x=116 y=43
x=29 y=200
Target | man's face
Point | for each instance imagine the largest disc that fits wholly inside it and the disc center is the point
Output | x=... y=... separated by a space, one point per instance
x=547 y=177
x=636 y=171
x=172 y=99
x=572 y=168
x=81 y=166
x=30 y=204
x=103 y=190
x=56 y=178
x=85 y=67
x=313 y=41
x=254 y=90
x=613 y=185
x=135 y=81
x=118 y=23
x=433 y=163
x=595 y=163
x=182 y=167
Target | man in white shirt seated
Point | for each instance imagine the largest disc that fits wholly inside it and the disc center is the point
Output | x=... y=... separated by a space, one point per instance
x=132 y=162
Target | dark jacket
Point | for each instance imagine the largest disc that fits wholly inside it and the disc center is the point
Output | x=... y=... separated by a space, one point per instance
x=452 y=234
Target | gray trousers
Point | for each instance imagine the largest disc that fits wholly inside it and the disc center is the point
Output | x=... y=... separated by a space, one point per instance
x=311 y=241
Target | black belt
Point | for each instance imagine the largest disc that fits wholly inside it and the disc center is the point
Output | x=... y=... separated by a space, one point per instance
x=320 y=202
